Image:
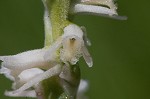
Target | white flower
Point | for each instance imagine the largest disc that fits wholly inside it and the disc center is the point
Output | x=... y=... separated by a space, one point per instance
x=23 y=78
x=25 y=69
x=73 y=46
x=29 y=68
x=105 y=8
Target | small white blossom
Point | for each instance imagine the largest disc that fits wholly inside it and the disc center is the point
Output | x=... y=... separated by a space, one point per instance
x=25 y=69
x=105 y=8
x=73 y=46
x=23 y=78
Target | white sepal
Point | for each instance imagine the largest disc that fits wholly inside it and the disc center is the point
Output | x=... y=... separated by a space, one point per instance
x=28 y=74
x=87 y=57
x=7 y=73
x=97 y=10
x=83 y=87
x=85 y=38
x=108 y=3
x=47 y=74
x=25 y=60
x=28 y=93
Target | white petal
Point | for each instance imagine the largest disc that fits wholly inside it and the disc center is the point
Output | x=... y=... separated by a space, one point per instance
x=29 y=93
x=87 y=57
x=28 y=74
x=7 y=73
x=83 y=87
x=25 y=60
x=49 y=73
x=94 y=9
x=109 y=3
x=85 y=38
x=97 y=10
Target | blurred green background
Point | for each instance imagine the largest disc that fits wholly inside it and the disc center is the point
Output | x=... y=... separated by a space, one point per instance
x=120 y=49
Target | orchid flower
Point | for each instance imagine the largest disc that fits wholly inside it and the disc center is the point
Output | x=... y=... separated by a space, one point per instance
x=105 y=8
x=73 y=46
x=25 y=69
x=65 y=43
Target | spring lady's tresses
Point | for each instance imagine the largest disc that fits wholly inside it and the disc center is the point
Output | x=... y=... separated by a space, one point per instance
x=53 y=72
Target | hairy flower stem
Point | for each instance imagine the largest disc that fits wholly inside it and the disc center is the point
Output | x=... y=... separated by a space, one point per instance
x=56 y=87
x=58 y=14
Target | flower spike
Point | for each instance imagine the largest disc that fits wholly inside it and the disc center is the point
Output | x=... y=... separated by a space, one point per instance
x=32 y=72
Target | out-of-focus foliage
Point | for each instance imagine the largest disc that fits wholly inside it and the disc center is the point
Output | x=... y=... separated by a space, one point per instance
x=120 y=49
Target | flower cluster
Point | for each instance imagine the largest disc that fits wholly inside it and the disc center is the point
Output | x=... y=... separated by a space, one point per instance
x=28 y=69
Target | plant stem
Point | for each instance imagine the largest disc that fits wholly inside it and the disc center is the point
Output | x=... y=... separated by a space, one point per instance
x=56 y=87
x=58 y=14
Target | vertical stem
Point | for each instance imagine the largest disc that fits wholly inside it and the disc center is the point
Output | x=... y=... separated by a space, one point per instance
x=58 y=14
x=56 y=19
